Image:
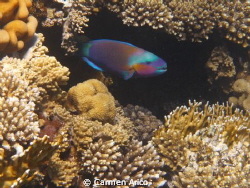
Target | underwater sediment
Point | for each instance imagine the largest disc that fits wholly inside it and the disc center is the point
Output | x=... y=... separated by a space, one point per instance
x=64 y=124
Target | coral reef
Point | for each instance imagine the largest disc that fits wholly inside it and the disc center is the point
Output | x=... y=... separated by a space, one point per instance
x=78 y=134
x=16 y=25
x=104 y=161
x=40 y=70
x=221 y=69
x=25 y=85
x=193 y=20
x=205 y=148
x=93 y=99
x=110 y=144
x=17 y=106
x=19 y=127
x=186 y=20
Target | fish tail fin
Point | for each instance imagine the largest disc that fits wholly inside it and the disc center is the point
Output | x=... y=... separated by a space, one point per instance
x=84 y=49
x=82 y=45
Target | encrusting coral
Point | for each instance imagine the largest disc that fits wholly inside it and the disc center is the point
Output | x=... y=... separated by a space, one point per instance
x=93 y=99
x=144 y=122
x=16 y=26
x=206 y=148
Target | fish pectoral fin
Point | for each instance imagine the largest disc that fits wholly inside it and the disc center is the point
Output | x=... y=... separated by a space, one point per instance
x=90 y=63
x=128 y=74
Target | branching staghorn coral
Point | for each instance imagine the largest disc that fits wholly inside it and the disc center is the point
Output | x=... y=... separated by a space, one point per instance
x=189 y=20
x=235 y=21
x=206 y=148
x=16 y=26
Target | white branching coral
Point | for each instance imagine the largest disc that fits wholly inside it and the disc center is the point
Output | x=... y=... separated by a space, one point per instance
x=18 y=121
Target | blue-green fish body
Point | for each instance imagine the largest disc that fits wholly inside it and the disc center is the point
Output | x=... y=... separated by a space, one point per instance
x=122 y=59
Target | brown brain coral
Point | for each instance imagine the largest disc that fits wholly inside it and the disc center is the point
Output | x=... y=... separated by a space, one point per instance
x=93 y=99
x=206 y=148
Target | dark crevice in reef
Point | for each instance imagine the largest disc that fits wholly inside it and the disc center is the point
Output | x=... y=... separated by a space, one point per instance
x=185 y=79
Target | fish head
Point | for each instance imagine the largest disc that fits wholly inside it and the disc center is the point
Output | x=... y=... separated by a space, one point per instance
x=149 y=65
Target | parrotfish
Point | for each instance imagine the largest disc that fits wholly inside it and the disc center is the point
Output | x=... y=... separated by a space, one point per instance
x=121 y=58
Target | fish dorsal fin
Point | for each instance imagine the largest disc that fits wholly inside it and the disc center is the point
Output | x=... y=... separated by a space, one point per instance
x=128 y=74
x=128 y=44
x=90 y=63
x=116 y=41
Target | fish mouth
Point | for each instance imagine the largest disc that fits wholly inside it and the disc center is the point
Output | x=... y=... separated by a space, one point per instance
x=163 y=69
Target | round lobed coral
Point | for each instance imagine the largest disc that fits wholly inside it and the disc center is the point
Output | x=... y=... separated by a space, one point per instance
x=240 y=95
x=16 y=26
x=92 y=99
x=206 y=148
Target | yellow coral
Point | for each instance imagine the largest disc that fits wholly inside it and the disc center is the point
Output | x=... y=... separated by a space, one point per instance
x=17 y=26
x=92 y=99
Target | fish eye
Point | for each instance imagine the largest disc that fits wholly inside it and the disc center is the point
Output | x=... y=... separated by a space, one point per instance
x=147 y=62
